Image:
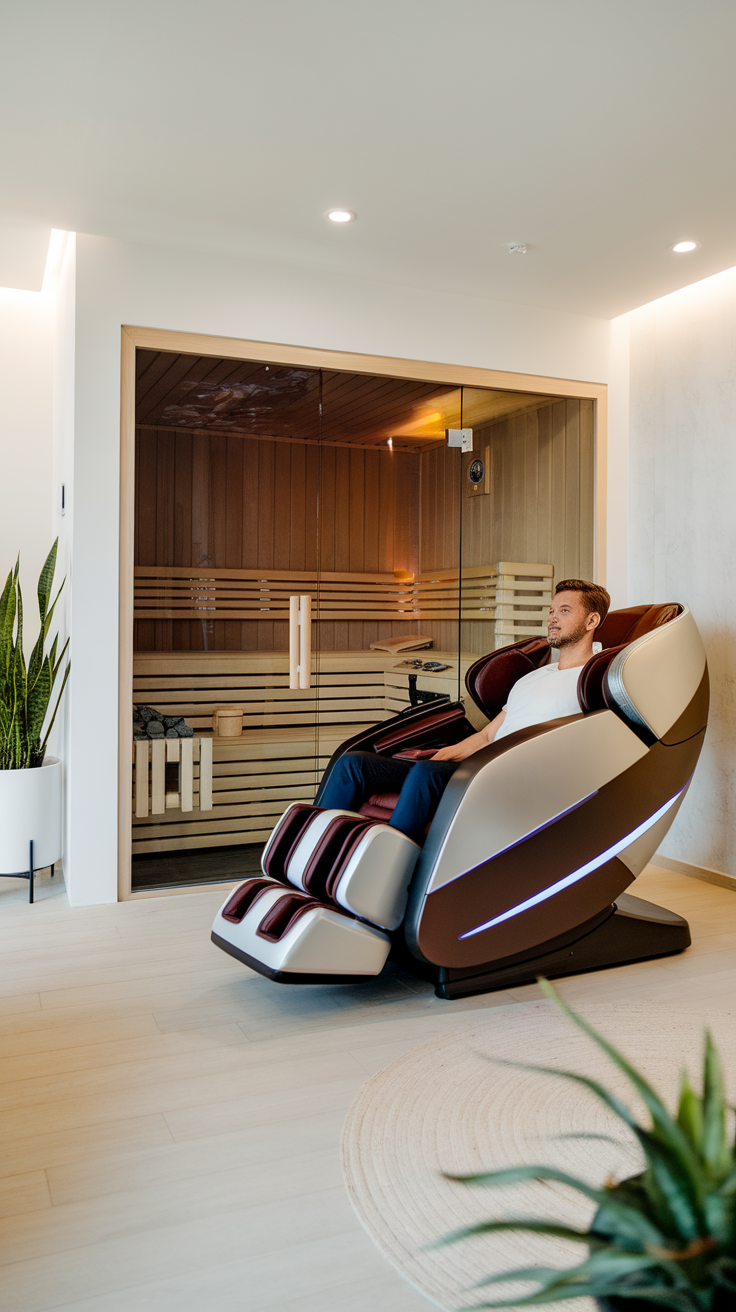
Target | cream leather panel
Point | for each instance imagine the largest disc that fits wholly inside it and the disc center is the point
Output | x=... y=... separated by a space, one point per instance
x=531 y=784
x=659 y=674
x=322 y=942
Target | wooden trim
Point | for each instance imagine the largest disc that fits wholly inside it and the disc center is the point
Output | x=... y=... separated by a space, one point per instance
x=429 y=371
x=453 y=375
x=125 y=603
x=695 y=872
x=181 y=892
x=600 y=425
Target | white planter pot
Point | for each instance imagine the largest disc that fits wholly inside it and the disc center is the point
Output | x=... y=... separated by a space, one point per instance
x=30 y=810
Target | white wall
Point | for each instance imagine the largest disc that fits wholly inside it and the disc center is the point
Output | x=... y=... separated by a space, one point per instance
x=63 y=473
x=682 y=538
x=121 y=283
x=617 y=472
x=26 y=345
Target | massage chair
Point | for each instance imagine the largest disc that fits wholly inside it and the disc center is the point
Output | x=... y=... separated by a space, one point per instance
x=524 y=865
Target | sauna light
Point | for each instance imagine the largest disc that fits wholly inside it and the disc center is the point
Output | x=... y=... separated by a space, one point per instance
x=390 y=444
x=683 y=247
x=341 y=216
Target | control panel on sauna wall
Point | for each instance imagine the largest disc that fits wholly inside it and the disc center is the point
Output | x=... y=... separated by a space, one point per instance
x=478 y=473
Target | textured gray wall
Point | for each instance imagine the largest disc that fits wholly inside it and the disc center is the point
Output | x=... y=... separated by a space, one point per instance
x=682 y=522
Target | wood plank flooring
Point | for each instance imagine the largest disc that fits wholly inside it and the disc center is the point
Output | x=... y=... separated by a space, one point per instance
x=170 y=1122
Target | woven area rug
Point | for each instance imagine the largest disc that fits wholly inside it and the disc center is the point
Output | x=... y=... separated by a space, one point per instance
x=447 y=1106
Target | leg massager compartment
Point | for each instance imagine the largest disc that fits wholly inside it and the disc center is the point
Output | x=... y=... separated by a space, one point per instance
x=284 y=933
x=335 y=866
x=357 y=863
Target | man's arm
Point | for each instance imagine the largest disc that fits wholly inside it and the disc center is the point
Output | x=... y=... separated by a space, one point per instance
x=468 y=747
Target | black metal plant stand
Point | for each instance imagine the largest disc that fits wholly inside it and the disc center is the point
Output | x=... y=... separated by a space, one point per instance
x=29 y=873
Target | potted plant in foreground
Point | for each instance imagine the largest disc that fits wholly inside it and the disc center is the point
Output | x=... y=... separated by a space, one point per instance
x=30 y=781
x=664 y=1238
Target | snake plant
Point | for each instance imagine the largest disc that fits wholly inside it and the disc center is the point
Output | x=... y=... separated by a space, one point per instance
x=664 y=1238
x=25 y=693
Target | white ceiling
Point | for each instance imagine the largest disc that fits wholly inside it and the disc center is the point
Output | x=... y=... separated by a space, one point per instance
x=598 y=131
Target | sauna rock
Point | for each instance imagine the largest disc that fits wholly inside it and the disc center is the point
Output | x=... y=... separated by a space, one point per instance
x=150 y=723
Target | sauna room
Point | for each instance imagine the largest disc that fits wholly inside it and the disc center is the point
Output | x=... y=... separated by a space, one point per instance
x=315 y=551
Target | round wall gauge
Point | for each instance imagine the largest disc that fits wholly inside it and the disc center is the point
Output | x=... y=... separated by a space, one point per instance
x=476 y=471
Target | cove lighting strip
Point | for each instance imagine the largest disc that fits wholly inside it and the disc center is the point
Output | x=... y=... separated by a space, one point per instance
x=573 y=878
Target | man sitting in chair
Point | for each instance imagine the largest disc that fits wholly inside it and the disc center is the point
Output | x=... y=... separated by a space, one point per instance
x=577 y=609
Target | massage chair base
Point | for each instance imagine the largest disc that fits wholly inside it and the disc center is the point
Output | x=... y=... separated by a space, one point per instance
x=285 y=976
x=633 y=930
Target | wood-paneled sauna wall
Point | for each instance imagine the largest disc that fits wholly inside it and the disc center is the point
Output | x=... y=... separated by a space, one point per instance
x=244 y=503
x=540 y=506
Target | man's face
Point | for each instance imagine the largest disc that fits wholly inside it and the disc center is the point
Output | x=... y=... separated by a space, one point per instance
x=569 y=621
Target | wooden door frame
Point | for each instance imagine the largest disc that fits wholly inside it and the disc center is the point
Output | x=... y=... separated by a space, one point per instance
x=155 y=339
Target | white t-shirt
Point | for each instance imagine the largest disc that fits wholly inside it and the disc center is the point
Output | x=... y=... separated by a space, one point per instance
x=545 y=694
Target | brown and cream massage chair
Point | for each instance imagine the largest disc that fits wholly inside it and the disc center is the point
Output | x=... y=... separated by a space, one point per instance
x=524 y=865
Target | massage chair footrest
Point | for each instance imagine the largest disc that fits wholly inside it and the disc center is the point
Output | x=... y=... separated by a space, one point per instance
x=293 y=937
x=284 y=976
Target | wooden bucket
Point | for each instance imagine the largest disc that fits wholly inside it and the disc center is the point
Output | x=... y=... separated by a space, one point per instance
x=227 y=721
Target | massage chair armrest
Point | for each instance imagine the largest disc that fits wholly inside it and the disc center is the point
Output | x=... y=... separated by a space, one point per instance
x=413 y=727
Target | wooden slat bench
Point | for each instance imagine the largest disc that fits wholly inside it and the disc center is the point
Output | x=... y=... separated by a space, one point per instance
x=285 y=746
x=511 y=596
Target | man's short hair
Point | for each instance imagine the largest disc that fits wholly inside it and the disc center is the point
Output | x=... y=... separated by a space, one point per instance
x=595 y=598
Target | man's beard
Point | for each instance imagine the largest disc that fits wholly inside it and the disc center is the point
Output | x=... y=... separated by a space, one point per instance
x=575 y=636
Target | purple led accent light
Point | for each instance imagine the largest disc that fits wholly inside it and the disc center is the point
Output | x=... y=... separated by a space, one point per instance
x=581 y=873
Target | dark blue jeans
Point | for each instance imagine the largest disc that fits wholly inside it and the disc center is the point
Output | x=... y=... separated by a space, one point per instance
x=420 y=785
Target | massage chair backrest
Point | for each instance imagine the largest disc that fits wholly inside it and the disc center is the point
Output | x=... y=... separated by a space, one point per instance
x=603 y=684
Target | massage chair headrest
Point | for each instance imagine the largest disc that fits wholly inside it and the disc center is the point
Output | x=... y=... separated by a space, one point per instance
x=490 y=679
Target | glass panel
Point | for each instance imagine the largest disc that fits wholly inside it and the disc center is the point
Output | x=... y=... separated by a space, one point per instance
x=389 y=532
x=527 y=511
x=227 y=491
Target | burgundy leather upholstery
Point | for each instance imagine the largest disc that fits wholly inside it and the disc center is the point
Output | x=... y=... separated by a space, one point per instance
x=380 y=806
x=490 y=679
x=327 y=863
x=624 y=626
x=284 y=914
x=592 y=688
x=439 y=729
x=244 y=897
x=278 y=856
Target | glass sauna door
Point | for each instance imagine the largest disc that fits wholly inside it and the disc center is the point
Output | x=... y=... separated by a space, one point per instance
x=227 y=520
x=389 y=552
x=527 y=511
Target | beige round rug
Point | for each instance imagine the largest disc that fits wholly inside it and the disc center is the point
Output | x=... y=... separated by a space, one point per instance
x=446 y=1106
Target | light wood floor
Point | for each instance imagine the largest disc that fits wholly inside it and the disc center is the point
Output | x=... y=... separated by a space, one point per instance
x=170 y=1122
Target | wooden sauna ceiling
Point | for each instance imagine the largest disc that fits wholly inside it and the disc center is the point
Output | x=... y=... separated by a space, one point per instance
x=282 y=402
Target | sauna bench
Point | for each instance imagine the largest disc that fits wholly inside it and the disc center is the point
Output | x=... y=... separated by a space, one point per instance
x=288 y=737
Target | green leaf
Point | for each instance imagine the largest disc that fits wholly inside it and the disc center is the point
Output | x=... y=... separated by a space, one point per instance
x=523 y=1223
x=38 y=704
x=56 y=708
x=632 y=1223
x=690 y=1114
x=45 y=581
x=715 y=1150
x=664 y=1127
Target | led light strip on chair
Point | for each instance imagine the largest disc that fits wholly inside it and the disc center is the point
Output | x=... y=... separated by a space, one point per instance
x=573 y=878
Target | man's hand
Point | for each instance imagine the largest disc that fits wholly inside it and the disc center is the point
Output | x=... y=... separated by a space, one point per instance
x=469 y=746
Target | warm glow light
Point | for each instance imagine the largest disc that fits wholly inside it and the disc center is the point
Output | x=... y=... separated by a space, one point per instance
x=341 y=216
x=682 y=247
x=390 y=444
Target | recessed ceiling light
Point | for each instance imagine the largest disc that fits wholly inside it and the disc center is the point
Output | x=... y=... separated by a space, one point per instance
x=682 y=247
x=341 y=216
